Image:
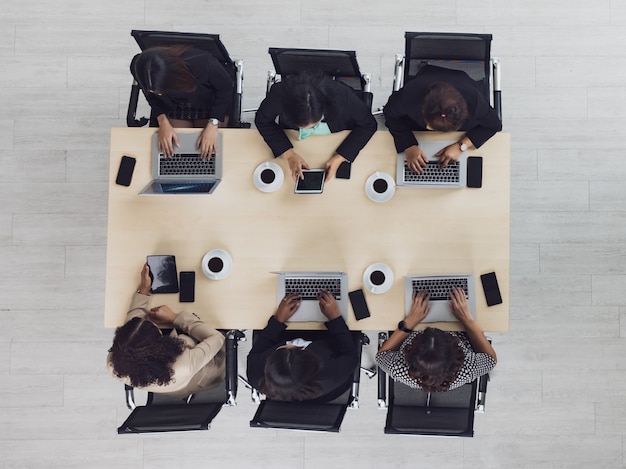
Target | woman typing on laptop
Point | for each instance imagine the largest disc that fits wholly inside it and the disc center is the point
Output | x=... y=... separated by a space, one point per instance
x=186 y=87
x=314 y=104
x=443 y=100
x=432 y=359
x=298 y=369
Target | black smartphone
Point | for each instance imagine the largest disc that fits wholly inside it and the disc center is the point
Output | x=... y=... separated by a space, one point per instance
x=163 y=274
x=343 y=171
x=474 y=171
x=125 y=171
x=491 y=288
x=359 y=305
x=187 y=287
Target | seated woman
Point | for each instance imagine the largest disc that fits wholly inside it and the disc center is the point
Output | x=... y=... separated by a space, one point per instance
x=173 y=364
x=300 y=370
x=432 y=359
x=186 y=87
x=443 y=100
x=314 y=103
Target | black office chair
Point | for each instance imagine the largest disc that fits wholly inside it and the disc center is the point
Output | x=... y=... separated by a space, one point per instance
x=207 y=42
x=196 y=412
x=339 y=64
x=468 y=52
x=415 y=412
x=311 y=415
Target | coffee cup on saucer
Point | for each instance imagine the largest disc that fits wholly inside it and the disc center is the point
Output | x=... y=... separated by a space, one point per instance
x=268 y=177
x=378 y=278
x=217 y=264
x=380 y=187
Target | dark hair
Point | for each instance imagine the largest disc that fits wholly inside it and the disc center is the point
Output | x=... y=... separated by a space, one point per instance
x=162 y=69
x=290 y=375
x=306 y=98
x=444 y=108
x=434 y=359
x=142 y=354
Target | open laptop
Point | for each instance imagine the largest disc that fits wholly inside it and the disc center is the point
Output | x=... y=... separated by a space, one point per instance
x=184 y=173
x=308 y=285
x=439 y=287
x=453 y=175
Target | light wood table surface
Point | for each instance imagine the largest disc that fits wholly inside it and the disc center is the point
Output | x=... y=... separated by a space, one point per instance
x=418 y=231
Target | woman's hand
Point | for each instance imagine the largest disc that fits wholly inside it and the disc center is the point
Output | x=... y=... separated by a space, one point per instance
x=328 y=305
x=146 y=281
x=332 y=165
x=162 y=314
x=296 y=163
x=419 y=309
x=207 y=141
x=448 y=154
x=167 y=137
x=459 y=306
x=415 y=159
x=288 y=307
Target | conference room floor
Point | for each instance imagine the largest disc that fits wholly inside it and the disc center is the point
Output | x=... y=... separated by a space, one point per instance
x=558 y=394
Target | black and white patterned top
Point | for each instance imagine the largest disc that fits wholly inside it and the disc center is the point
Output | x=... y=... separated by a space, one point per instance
x=474 y=365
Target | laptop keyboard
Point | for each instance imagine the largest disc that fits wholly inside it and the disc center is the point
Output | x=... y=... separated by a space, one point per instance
x=186 y=164
x=434 y=174
x=439 y=288
x=308 y=288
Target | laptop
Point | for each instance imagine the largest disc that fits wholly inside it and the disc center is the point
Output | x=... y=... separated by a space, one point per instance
x=439 y=287
x=184 y=173
x=454 y=175
x=308 y=285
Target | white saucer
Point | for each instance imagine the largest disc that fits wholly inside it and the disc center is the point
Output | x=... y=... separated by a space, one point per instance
x=226 y=259
x=383 y=287
x=279 y=176
x=380 y=196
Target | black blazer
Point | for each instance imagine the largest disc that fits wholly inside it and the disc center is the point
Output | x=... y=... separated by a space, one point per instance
x=403 y=111
x=214 y=90
x=337 y=354
x=348 y=113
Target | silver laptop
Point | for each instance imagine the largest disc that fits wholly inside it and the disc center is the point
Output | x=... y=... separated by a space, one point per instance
x=308 y=285
x=184 y=173
x=439 y=287
x=453 y=175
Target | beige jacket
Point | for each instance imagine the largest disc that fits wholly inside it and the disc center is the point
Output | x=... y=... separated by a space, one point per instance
x=202 y=363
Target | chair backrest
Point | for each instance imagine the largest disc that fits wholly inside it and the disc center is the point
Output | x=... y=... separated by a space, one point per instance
x=311 y=415
x=468 y=52
x=340 y=64
x=450 y=413
x=164 y=413
x=208 y=42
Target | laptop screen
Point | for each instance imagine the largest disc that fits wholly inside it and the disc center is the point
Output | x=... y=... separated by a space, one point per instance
x=186 y=188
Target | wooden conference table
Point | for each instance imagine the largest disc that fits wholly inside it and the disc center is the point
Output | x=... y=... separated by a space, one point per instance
x=418 y=231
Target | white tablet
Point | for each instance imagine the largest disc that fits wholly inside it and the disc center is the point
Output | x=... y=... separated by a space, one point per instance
x=313 y=182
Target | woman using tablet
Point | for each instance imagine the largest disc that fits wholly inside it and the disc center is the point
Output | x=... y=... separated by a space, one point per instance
x=174 y=364
x=314 y=104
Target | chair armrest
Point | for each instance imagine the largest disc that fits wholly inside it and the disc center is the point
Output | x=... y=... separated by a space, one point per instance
x=382 y=377
x=232 y=340
x=481 y=394
x=131 y=120
x=130 y=397
x=398 y=72
x=496 y=71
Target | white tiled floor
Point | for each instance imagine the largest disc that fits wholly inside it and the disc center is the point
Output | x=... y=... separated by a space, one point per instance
x=558 y=397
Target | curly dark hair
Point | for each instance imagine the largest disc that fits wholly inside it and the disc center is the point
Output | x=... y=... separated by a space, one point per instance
x=290 y=375
x=307 y=98
x=444 y=108
x=162 y=69
x=434 y=357
x=141 y=353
